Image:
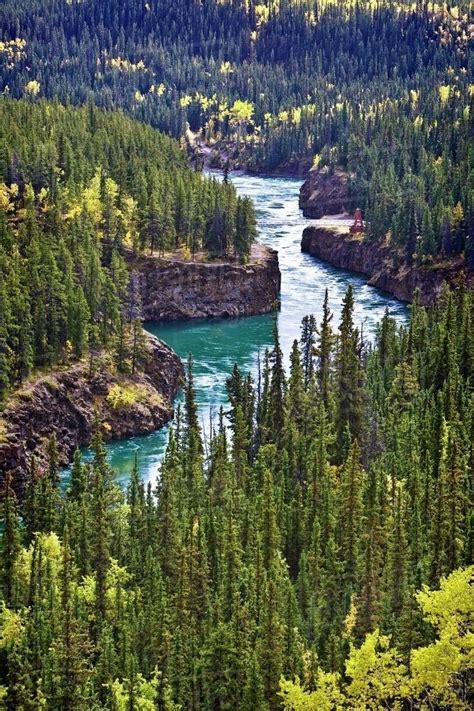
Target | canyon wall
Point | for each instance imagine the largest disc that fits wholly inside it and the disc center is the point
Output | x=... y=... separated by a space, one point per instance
x=324 y=192
x=172 y=289
x=375 y=260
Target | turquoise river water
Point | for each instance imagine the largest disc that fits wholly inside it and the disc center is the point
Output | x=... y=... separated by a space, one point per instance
x=219 y=343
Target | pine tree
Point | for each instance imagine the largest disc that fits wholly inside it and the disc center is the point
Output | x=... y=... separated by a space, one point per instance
x=11 y=543
x=295 y=387
x=71 y=649
x=350 y=519
x=139 y=352
x=5 y=351
x=323 y=351
x=78 y=481
x=308 y=330
x=371 y=558
x=101 y=558
x=276 y=409
x=271 y=642
x=349 y=408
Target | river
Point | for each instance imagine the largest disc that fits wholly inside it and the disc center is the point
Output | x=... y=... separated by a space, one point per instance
x=217 y=344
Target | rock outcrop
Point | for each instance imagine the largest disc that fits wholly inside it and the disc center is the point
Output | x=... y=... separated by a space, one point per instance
x=65 y=403
x=376 y=261
x=173 y=289
x=324 y=192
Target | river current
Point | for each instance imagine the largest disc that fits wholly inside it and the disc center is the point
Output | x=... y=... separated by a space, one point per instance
x=219 y=343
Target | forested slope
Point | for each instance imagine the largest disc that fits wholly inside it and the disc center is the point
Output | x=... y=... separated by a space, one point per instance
x=146 y=57
x=78 y=186
x=381 y=90
x=294 y=547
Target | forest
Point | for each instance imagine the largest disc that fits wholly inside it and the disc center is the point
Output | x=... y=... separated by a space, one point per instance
x=382 y=90
x=315 y=550
x=314 y=557
x=79 y=190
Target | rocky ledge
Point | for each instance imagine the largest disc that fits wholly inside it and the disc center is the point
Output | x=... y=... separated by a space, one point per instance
x=65 y=403
x=334 y=244
x=175 y=289
x=324 y=192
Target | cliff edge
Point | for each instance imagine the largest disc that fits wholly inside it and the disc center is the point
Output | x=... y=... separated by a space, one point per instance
x=332 y=242
x=324 y=192
x=174 y=289
x=65 y=403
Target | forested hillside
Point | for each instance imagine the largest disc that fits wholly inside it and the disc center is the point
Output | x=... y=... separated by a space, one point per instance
x=315 y=552
x=381 y=90
x=293 y=548
x=78 y=188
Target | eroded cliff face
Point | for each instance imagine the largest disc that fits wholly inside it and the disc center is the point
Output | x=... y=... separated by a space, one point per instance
x=375 y=260
x=65 y=403
x=173 y=289
x=324 y=193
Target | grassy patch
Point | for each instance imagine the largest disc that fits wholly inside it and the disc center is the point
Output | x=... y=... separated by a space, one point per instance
x=51 y=384
x=23 y=395
x=122 y=395
x=3 y=431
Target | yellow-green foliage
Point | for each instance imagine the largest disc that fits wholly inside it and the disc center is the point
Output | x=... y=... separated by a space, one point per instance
x=376 y=673
x=145 y=694
x=11 y=628
x=378 y=679
x=120 y=396
x=32 y=87
x=123 y=395
x=450 y=610
x=326 y=697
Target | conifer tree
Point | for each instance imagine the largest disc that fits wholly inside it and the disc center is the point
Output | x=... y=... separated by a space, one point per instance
x=5 y=351
x=350 y=518
x=349 y=408
x=11 y=543
x=323 y=351
x=308 y=330
x=275 y=413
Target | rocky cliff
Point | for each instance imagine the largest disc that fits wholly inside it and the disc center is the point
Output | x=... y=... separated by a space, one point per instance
x=65 y=403
x=341 y=249
x=324 y=192
x=172 y=289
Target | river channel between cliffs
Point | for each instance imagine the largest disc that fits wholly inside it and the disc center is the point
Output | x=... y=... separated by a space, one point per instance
x=216 y=344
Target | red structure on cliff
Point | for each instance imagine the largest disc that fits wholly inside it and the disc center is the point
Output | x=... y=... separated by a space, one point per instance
x=358 y=225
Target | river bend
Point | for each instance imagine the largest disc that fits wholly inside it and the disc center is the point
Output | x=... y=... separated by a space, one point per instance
x=217 y=344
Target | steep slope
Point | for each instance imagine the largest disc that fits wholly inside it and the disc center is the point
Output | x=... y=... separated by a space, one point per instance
x=66 y=403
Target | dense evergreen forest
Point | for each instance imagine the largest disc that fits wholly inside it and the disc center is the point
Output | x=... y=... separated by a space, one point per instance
x=316 y=551
x=382 y=90
x=316 y=557
x=79 y=189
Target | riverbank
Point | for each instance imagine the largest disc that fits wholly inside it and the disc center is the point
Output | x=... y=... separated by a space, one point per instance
x=330 y=240
x=65 y=403
x=174 y=289
x=217 y=344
